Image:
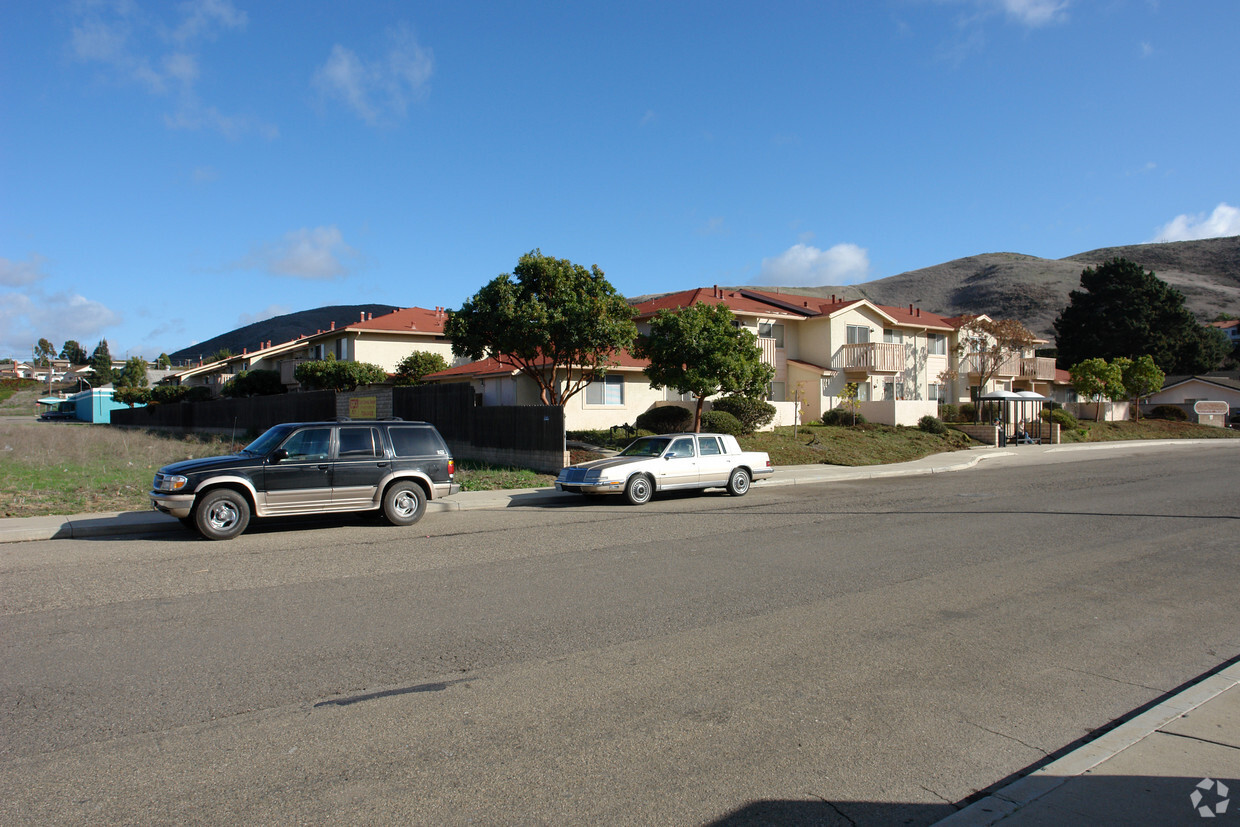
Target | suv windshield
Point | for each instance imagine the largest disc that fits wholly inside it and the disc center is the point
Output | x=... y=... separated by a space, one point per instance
x=268 y=441
x=647 y=446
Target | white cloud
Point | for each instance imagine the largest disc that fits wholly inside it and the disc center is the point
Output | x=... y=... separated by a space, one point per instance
x=27 y=316
x=268 y=312
x=132 y=47
x=21 y=273
x=1035 y=12
x=804 y=266
x=1222 y=223
x=378 y=88
x=317 y=253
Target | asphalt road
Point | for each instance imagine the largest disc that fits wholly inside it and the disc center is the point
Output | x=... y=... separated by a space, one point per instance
x=864 y=653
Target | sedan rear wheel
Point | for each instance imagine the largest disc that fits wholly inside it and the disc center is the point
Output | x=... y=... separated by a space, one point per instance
x=738 y=482
x=639 y=490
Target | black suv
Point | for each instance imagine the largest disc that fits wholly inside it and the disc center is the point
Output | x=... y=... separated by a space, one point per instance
x=311 y=468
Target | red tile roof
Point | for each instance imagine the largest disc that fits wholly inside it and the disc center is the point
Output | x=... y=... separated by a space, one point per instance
x=409 y=319
x=493 y=367
x=761 y=302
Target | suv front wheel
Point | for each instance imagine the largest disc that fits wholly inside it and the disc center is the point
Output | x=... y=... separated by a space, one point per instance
x=222 y=514
x=404 y=503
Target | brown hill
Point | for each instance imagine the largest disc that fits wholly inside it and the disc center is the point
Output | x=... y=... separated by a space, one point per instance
x=1034 y=290
x=279 y=329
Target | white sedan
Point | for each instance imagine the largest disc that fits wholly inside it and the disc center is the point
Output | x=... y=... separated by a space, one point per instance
x=666 y=463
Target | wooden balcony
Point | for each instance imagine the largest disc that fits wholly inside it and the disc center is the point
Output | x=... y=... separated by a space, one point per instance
x=871 y=357
x=1038 y=367
x=767 y=346
x=979 y=363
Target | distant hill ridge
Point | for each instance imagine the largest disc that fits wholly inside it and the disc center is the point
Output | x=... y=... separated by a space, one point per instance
x=280 y=329
x=1034 y=290
x=1006 y=285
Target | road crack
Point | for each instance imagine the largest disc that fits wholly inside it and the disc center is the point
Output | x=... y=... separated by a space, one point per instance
x=1009 y=737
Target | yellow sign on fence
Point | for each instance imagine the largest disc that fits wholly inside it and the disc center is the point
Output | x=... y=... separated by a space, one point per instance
x=364 y=407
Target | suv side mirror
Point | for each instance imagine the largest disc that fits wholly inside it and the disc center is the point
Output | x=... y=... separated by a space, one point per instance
x=279 y=454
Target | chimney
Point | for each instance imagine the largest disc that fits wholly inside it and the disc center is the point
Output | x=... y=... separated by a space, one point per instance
x=333 y=325
x=919 y=312
x=370 y=317
x=910 y=308
x=246 y=350
x=832 y=298
x=363 y=316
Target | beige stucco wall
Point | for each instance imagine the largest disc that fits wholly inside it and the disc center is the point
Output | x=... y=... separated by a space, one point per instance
x=386 y=352
x=1195 y=390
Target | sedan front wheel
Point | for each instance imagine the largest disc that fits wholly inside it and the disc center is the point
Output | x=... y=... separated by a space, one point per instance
x=639 y=490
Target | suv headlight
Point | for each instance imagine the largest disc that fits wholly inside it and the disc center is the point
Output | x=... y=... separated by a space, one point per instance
x=169 y=482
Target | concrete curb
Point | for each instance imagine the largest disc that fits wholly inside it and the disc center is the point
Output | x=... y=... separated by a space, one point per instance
x=111 y=524
x=1026 y=791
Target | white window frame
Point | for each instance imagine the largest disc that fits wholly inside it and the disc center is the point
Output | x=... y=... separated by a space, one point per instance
x=772 y=330
x=858 y=334
x=938 y=344
x=607 y=392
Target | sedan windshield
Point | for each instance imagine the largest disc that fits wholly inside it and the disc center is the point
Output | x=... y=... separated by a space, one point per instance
x=647 y=446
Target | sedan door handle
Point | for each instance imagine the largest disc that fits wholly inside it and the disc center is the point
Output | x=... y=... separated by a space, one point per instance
x=324 y=467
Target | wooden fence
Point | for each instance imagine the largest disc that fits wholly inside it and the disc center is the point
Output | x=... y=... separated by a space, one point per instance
x=523 y=436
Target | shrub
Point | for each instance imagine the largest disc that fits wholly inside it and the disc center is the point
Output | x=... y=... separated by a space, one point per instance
x=411 y=369
x=166 y=394
x=722 y=422
x=668 y=419
x=132 y=396
x=841 y=416
x=1172 y=413
x=751 y=413
x=1059 y=416
x=254 y=383
x=949 y=413
x=932 y=425
x=198 y=393
x=968 y=412
x=331 y=374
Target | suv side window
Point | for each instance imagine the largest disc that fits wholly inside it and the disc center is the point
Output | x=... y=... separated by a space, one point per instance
x=416 y=442
x=359 y=443
x=310 y=444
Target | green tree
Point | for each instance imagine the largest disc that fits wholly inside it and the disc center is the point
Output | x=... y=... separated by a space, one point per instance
x=133 y=375
x=221 y=355
x=101 y=363
x=1095 y=379
x=254 y=383
x=989 y=346
x=163 y=362
x=331 y=374
x=132 y=396
x=848 y=399
x=44 y=353
x=1140 y=377
x=411 y=369
x=1122 y=310
x=74 y=352
x=556 y=322
x=699 y=350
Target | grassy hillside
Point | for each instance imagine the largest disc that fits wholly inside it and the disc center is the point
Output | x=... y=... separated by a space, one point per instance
x=1034 y=290
x=280 y=329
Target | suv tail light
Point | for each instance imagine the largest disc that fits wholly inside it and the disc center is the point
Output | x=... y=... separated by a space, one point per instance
x=451 y=467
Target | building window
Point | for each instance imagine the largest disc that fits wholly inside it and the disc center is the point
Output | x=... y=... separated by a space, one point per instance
x=933 y=391
x=893 y=337
x=606 y=391
x=776 y=392
x=938 y=344
x=863 y=392
x=858 y=334
x=772 y=330
x=340 y=349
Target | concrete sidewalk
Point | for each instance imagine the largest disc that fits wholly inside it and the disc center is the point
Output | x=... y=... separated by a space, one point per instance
x=1175 y=763
x=111 y=524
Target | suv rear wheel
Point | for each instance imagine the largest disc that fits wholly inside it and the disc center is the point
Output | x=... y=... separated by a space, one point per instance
x=222 y=514
x=404 y=503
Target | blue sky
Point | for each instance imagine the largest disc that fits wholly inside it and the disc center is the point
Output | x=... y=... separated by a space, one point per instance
x=172 y=170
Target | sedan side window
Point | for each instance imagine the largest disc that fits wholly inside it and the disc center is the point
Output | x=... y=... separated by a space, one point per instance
x=709 y=446
x=681 y=449
x=309 y=445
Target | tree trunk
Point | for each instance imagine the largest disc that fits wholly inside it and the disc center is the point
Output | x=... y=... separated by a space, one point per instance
x=697 y=415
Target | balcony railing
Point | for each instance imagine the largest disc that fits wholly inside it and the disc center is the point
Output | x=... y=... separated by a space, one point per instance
x=872 y=357
x=767 y=346
x=984 y=362
x=1038 y=367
